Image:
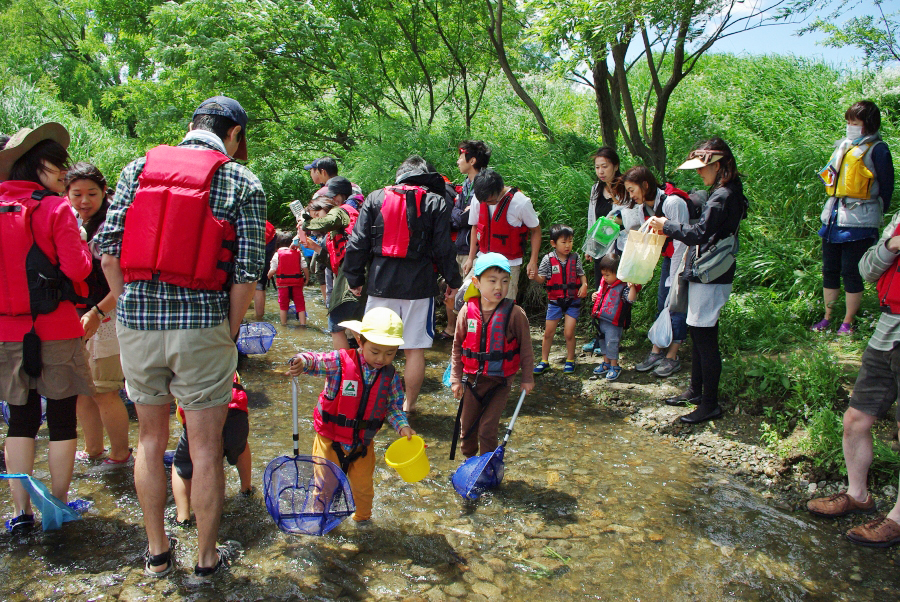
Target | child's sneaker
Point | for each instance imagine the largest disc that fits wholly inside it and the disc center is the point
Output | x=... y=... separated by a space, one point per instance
x=590 y=346
x=569 y=367
x=21 y=524
x=614 y=372
x=540 y=367
x=602 y=369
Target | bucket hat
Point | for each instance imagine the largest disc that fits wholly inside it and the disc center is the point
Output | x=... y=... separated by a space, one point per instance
x=24 y=140
x=232 y=109
x=380 y=325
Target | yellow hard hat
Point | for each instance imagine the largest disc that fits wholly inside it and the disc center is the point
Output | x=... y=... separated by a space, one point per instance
x=380 y=325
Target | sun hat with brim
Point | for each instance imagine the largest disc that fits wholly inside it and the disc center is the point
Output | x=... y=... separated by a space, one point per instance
x=24 y=140
x=380 y=325
x=701 y=158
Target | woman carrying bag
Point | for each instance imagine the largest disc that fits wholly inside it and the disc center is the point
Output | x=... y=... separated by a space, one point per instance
x=709 y=270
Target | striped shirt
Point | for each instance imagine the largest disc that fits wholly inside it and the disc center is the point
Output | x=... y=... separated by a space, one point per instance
x=874 y=263
x=328 y=364
x=236 y=195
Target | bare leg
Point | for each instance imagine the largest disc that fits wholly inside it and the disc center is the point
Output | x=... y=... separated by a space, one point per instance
x=181 y=491
x=91 y=424
x=413 y=376
x=852 y=301
x=894 y=514
x=569 y=333
x=831 y=296
x=857 y=451
x=672 y=353
x=115 y=420
x=207 y=498
x=339 y=340
x=451 y=316
x=301 y=317
x=20 y=459
x=259 y=304
x=547 y=342
x=245 y=469
x=283 y=315
x=150 y=473
x=61 y=459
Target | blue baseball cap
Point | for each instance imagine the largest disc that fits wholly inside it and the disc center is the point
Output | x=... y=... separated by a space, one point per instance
x=232 y=109
x=313 y=165
x=491 y=260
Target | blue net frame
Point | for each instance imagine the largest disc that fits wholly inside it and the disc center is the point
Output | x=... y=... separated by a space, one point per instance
x=255 y=338
x=307 y=495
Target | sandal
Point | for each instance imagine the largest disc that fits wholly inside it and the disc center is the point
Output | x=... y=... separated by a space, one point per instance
x=167 y=558
x=569 y=367
x=540 y=367
x=227 y=552
x=602 y=369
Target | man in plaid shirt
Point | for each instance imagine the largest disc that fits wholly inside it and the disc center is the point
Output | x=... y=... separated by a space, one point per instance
x=176 y=336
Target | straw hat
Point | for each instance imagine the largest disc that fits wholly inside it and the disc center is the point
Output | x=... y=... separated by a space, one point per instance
x=380 y=325
x=24 y=140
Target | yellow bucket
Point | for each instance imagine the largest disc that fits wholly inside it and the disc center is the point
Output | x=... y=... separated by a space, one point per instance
x=408 y=458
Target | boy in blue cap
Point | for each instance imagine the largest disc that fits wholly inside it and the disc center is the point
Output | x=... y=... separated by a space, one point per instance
x=483 y=365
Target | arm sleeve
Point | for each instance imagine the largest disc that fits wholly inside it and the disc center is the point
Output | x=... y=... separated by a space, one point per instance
x=884 y=172
x=336 y=219
x=527 y=214
x=109 y=238
x=396 y=417
x=250 y=230
x=273 y=265
x=519 y=328
x=443 y=251
x=359 y=247
x=710 y=222
x=474 y=211
x=544 y=267
x=579 y=268
x=456 y=369
x=878 y=258
x=74 y=256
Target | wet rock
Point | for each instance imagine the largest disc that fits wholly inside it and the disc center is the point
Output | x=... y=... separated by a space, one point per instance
x=488 y=590
x=350 y=548
x=469 y=578
x=483 y=572
x=811 y=488
x=655 y=537
x=435 y=595
x=856 y=577
x=457 y=590
x=553 y=534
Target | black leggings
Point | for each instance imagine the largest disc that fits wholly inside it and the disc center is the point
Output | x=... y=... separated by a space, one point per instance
x=706 y=362
x=24 y=421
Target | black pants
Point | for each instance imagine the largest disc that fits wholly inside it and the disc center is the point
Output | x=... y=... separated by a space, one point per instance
x=24 y=421
x=706 y=363
x=841 y=261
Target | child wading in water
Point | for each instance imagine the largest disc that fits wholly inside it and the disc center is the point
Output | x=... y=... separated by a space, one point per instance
x=235 y=448
x=291 y=273
x=483 y=365
x=362 y=390
x=563 y=275
x=612 y=314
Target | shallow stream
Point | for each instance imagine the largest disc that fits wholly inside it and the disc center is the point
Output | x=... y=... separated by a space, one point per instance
x=591 y=507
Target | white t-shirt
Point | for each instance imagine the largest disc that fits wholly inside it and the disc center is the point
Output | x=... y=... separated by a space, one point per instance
x=520 y=212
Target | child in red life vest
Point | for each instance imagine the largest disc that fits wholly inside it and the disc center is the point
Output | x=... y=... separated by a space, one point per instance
x=612 y=315
x=291 y=273
x=483 y=362
x=563 y=276
x=362 y=390
x=235 y=447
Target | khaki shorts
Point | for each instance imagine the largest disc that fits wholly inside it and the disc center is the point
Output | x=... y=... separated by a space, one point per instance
x=196 y=365
x=65 y=373
x=107 y=373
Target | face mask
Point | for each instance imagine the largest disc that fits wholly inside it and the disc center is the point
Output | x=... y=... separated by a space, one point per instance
x=854 y=131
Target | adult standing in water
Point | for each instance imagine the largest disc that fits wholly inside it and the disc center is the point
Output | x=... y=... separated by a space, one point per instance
x=859 y=180
x=177 y=331
x=721 y=218
x=41 y=350
x=86 y=192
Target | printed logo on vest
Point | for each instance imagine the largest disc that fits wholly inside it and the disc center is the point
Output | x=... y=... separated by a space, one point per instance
x=471 y=325
x=554 y=269
x=350 y=388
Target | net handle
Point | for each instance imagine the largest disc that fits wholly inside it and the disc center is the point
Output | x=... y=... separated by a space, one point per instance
x=512 y=421
x=294 y=416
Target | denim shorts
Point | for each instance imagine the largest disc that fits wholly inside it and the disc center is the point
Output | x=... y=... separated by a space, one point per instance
x=556 y=312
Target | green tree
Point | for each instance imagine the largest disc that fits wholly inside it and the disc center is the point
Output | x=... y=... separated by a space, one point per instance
x=874 y=34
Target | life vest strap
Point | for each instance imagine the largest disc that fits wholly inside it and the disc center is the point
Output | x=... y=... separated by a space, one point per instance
x=11 y=209
x=352 y=423
x=490 y=356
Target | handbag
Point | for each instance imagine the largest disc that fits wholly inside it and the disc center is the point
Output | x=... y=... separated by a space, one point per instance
x=640 y=255
x=678 y=291
x=717 y=259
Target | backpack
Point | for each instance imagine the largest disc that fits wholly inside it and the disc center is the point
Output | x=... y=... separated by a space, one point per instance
x=696 y=200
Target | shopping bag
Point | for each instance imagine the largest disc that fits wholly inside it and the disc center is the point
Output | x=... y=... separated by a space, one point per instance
x=660 y=334
x=640 y=256
x=602 y=233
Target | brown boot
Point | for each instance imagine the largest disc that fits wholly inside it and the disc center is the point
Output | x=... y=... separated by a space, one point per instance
x=840 y=504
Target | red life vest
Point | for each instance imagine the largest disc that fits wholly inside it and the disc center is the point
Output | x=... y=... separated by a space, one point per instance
x=888 y=286
x=398 y=230
x=270 y=232
x=238 y=398
x=336 y=242
x=289 y=271
x=486 y=350
x=495 y=235
x=32 y=284
x=564 y=281
x=358 y=410
x=171 y=234
x=611 y=304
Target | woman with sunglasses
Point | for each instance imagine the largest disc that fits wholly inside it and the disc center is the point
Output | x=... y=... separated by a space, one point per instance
x=859 y=181
x=721 y=218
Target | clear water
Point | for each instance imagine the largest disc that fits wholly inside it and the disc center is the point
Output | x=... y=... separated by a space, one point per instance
x=590 y=508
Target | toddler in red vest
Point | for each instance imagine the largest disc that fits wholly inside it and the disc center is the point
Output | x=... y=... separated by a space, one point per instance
x=562 y=274
x=612 y=315
x=235 y=447
x=362 y=390
x=291 y=273
x=492 y=342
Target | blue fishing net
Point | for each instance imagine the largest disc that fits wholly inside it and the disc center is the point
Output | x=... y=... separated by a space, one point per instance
x=53 y=512
x=255 y=338
x=478 y=474
x=307 y=495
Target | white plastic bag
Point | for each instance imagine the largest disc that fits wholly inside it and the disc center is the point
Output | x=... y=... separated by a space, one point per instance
x=660 y=334
x=640 y=256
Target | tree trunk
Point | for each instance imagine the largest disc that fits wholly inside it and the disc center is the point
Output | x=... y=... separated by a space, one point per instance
x=603 y=98
x=496 y=33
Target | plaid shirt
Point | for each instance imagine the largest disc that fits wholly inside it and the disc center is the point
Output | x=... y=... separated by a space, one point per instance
x=236 y=195
x=328 y=364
